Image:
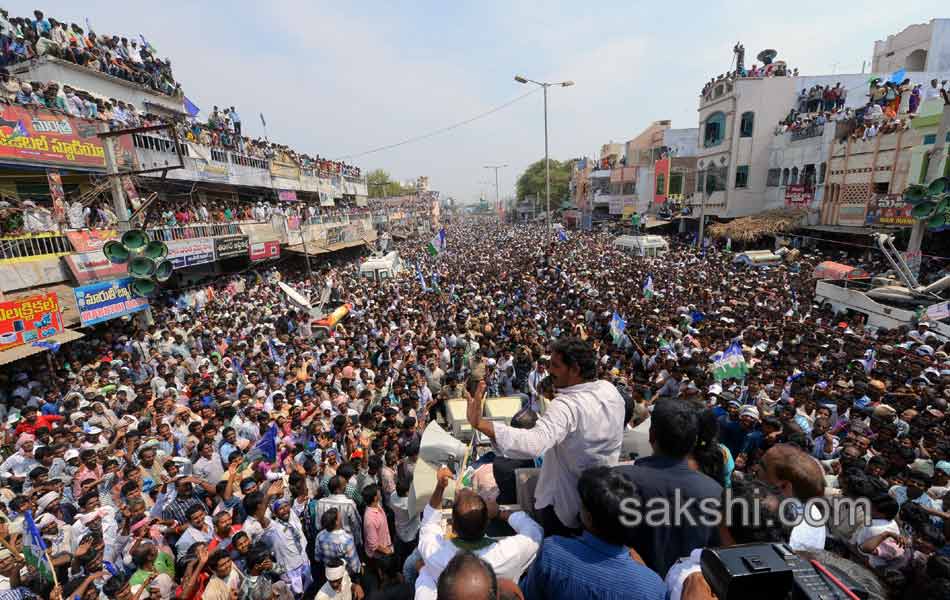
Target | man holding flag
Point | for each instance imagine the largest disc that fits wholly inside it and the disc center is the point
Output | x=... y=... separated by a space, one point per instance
x=648 y=287
x=436 y=245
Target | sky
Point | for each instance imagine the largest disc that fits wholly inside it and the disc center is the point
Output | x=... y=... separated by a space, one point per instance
x=338 y=79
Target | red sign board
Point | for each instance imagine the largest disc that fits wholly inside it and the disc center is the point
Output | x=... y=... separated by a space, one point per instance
x=94 y=266
x=264 y=250
x=29 y=320
x=798 y=195
x=90 y=240
x=47 y=138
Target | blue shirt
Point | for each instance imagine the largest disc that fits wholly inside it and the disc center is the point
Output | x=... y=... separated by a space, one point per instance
x=589 y=568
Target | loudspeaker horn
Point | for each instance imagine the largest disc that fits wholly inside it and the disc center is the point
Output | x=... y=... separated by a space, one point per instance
x=145 y=288
x=940 y=185
x=438 y=446
x=135 y=240
x=141 y=267
x=155 y=250
x=115 y=252
x=915 y=194
x=164 y=271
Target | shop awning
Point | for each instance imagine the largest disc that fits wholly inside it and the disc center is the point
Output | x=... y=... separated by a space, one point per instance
x=16 y=353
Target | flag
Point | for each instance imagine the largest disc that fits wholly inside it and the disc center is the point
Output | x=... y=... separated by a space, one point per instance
x=696 y=316
x=898 y=76
x=265 y=448
x=191 y=108
x=617 y=327
x=88 y=25
x=731 y=364
x=648 y=287
x=729 y=244
x=51 y=346
x=869 y=360
x=422 y=280
x=435 y=283
x=665 y=346
x=263 y=122
x=34 y=548
x=148 y=46
x=436 y=245
x=562 y=235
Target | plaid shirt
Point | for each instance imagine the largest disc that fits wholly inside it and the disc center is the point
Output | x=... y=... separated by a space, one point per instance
x=336 y=544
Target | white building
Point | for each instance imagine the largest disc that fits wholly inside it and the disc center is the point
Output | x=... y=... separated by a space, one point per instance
x=919 y=47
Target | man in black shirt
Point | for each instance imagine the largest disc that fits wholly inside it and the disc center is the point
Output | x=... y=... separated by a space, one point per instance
x=673 y=431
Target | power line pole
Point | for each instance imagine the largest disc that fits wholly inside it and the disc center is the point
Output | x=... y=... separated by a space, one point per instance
x=497 y=198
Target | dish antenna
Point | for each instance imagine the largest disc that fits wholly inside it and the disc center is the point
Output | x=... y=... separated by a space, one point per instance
x=767 y=56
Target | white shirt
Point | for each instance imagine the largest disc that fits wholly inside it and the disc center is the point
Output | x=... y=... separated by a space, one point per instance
x=510 y=557
x=876 y=527
x=581 y=428
x=681 y=569
x=328 y=593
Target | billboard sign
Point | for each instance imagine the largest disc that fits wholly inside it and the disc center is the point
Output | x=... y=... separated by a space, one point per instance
x=230 y=245
x=889 y=209
x=187 y=253
x=29 y=319
x=93 y=266
x=264 y=250
x=47 y=138
x=99 y=302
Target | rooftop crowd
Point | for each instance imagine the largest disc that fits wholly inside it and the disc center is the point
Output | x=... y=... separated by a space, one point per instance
x=24 y=38
x=144 y=454
x=889 y=108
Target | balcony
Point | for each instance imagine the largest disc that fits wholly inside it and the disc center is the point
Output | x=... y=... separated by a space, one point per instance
x=33 y=245
x=813 y=130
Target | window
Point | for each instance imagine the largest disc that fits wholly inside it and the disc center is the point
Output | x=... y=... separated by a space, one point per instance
x=742 y=176
x=714 y=129
x=773 y=178
x=821 y=173
x=794 y=179
x=746 y=124
x=660 y=184
x=676 y=184
x=630 y=187
x=785 y=177
x=881 y=187
x=700 y=178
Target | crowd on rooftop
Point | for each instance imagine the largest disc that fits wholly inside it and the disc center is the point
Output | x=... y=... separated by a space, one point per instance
x=224 y=452
x=24 y=38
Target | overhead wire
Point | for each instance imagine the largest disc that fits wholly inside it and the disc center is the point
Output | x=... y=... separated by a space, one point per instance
x=442 y=130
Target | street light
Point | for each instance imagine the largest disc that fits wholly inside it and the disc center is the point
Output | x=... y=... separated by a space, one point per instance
x=496 y=167
x=547 y=167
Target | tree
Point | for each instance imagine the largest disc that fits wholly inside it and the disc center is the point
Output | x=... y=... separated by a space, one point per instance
x=381 y=185
x=531 y=182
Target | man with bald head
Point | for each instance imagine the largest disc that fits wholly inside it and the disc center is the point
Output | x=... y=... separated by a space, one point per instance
x=508 y=557
x=467 y=577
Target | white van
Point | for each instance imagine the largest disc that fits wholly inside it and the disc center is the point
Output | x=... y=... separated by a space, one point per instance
x=382 y=266
x=643 y=245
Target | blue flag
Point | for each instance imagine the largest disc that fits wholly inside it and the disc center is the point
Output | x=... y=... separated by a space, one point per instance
x=617 y=327
x=562 y=235
x=422 y=280
x=696 y=316
x=34 y=548
x=191 y=108
x=266 y=447
x=263 y=122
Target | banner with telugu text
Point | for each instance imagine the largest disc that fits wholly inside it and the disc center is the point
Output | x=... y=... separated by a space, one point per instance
x=42 y=137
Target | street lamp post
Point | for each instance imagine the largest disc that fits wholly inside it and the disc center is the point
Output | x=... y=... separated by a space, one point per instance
x=496 y=167
x=547 y=166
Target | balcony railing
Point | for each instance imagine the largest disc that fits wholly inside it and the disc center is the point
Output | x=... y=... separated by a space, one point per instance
x=811 y=131
x=34 y=245
x=157 y=144
x=188 y=232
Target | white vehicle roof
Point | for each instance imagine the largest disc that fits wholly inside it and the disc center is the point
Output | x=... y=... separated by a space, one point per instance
x=641 y=241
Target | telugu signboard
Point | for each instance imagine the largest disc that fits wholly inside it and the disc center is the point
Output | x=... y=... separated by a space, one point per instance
x=231 y=245
x=90 y=240
x=187 y=253
x=264 y=250
x=798 y=195
x=107 y=300
x=93 y=266
x=43 y=137
x=889 y=209
x=287 y=195
x=29 y=319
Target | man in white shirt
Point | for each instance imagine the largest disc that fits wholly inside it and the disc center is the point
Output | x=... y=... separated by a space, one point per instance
x=208 y=466
x=581 y=428
x=510 y=557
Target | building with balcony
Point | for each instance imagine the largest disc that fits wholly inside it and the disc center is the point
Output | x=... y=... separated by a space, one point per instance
x=798 y=167
x=918 y=47
x=865 y=180
x=738 y=119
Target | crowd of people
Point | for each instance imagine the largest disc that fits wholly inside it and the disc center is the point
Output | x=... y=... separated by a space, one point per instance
x=23 y=39
x=222 y=451
x=890 y=107
x=774 y=69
